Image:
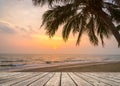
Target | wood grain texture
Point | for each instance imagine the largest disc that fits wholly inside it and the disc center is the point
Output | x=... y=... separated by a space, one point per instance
x=59 y=79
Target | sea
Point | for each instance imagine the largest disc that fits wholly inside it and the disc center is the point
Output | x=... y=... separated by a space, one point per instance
x=18 y=61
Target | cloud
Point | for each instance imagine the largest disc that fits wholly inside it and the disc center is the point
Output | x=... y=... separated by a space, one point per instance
x=6 y=28
x=21 y=29
x=28 y=30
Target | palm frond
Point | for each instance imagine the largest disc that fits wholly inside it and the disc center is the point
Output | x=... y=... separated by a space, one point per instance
x=79 y=16
x=118 y=27
x=82 y=26
x=73 y=24
x=115 y=13
x=91 y=31
x=116 y=2
x=67 y=28
x=50 y=2
x=52 y=19
x=102 y=29
x=107 y=4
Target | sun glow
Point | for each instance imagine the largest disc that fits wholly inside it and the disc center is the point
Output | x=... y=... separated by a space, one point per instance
x=53 y=43
x=55 y=47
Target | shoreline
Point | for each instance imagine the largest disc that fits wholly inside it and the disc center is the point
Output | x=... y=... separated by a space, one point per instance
x=77 y=67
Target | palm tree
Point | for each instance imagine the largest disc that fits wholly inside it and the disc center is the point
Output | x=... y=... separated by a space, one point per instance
x=97 y=18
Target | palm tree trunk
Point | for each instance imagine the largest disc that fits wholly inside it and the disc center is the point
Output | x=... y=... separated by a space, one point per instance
x=111 y=26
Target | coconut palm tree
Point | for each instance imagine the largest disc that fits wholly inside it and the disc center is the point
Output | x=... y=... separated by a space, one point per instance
x=97 y=18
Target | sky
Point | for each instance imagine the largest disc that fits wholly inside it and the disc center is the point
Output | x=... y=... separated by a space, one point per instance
x=20 y=32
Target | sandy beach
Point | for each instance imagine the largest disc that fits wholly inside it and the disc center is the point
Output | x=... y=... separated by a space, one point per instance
x=79 y=67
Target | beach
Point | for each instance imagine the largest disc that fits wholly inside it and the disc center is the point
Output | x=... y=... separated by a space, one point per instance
x=78 y=67
x=59 y=63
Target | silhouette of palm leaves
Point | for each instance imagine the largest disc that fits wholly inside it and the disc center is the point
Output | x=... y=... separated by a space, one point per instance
x=94 y=17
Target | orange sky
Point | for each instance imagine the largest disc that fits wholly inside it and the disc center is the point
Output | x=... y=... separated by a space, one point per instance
x=20 y=33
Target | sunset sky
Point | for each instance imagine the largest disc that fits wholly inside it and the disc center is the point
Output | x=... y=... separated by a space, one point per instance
x=20 y=32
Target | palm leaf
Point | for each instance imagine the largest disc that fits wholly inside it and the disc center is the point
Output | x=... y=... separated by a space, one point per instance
x=115 y=13
x=82 y=26
x=116 y=1
x=55 y=17
x=118 y=27
x=79 y=16
x=102 y=29
x=91 y=31
x=50 y=2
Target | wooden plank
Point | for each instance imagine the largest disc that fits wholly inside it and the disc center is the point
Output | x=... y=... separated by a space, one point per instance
x=93 y=81
x=108 y=76
x=6 y=74
x=20 y=79
x=110 y=82
x=104 y=77
x=79 y=81
x=43 y=80
x=55 y=80
x=115 y=74
x=59 y=79
x=10 y=78
x=66 y=80
x=29 y=81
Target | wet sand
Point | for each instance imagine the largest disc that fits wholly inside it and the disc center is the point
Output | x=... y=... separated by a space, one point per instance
x=79 y=67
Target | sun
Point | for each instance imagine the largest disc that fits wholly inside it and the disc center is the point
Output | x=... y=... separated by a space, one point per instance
x=55 y=47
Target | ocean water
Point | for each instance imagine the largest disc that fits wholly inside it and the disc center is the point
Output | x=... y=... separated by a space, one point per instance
x=14 y=61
